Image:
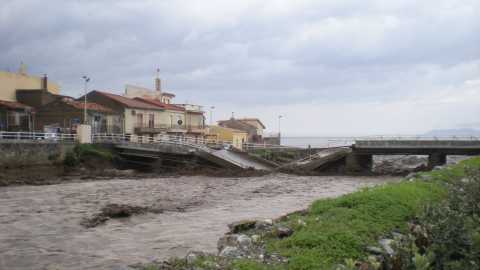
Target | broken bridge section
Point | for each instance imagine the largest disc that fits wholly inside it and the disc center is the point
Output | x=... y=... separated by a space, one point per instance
x=155 y=152
x=327 y=160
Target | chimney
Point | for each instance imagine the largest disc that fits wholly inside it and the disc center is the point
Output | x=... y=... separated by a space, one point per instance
x=45 y=82
x=158 y=83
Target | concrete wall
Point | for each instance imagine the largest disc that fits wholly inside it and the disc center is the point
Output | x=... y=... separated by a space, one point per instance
x=10 y=82
x=20 y=154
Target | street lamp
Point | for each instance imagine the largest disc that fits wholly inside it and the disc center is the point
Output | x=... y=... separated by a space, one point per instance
x=86 y=79
x=279 y=131
x=211 y=113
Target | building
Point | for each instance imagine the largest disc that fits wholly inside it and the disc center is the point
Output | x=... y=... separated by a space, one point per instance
x=256 y=123
x=192 y=121
x=195 y=119
x=253 y=126
x=15 y=116
x=132 y=91
x=10 y=82
x=171 y=120
x=65 y=114
x=138 y=117
x=237 y=137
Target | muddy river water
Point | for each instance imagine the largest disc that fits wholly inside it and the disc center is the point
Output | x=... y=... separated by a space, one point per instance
x=40 y=225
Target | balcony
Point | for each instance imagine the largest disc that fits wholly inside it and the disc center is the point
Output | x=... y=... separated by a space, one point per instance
x=159 y=128
x=156 y=128
x=196 y=129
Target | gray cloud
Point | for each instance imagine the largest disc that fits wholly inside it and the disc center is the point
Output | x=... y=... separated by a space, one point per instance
x=264 y=54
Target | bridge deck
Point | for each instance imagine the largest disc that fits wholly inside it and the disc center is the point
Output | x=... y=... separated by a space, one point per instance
x=420 y=147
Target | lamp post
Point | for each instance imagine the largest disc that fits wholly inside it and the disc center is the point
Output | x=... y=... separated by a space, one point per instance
x=279 y=118
x=86 y=79
x=211 y=113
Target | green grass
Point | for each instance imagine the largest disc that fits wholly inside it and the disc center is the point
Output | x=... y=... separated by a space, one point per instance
x=92 y=150
x=341 y=228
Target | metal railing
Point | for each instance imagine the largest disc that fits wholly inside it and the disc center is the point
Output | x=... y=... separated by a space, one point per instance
x=162 y=139
x=38 y=136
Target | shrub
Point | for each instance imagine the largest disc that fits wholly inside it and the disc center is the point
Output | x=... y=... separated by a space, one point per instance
x=71 y=159
x=453 y=226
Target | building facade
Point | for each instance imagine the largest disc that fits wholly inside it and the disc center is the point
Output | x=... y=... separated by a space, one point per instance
x=15 y=117
x=251 y=127
x=223 y=134
x=66 y=114
x=10 y=82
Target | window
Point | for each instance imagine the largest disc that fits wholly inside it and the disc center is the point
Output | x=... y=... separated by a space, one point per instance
x=139 y=120
x=151 y=120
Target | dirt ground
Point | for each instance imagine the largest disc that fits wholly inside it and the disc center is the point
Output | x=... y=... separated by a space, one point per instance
x=41 y=226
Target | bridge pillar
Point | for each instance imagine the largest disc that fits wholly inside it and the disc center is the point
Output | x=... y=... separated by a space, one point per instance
x=356 y=163
x=436 y=159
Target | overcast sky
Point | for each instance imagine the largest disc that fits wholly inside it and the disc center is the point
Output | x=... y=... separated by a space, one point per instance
x=330 y=67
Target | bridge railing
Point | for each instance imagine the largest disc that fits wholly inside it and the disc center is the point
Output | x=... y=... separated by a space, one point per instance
x=37 y=137
x=163 y=139
x=419 y=138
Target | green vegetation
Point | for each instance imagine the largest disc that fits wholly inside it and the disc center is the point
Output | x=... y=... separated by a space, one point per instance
x=86 y=153
x=339 y=229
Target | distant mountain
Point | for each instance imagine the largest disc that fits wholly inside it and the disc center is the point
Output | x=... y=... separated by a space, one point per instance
x=454 y=132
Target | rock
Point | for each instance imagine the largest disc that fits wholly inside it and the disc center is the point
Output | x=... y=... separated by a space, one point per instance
x=282 y=232
x=255 y=238
x=437 y=168
x=234 y=240
x=411 y=176
x=242 y=226
x=426 y=177
x=397 y=235
x=193 y=256
x=264 y=224
x=374 y=250
x=231 y=252
x=244 y=241
x=386 y=244
x=301 y=222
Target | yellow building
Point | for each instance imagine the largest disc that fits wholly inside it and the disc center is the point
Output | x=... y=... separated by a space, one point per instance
x=10 y=82
x=237 y=137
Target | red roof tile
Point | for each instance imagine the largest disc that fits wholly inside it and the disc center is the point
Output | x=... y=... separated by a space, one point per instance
x=90 y=106
x=160 y=104
x=14 y=105
x=128 y=102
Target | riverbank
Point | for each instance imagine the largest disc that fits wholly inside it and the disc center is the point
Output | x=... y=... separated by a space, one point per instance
x=385 y=227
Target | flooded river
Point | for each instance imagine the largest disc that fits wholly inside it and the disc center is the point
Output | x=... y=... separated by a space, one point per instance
x=40 y=225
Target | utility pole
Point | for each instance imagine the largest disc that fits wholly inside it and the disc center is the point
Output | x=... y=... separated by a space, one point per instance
x=279 y=131
x=86 y=79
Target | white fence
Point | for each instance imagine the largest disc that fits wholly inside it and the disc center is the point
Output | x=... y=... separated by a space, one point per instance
x=37 y=136
x=159 y=139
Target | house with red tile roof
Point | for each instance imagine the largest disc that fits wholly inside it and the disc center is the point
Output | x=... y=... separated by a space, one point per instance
x=15 y=116
x=138 y=117
x=192 y=118
x=66 y=114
